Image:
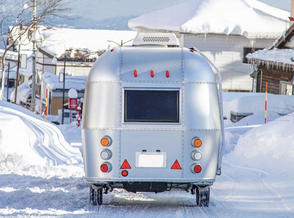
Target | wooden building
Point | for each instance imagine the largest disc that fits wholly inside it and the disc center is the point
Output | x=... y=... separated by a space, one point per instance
x=275 y=66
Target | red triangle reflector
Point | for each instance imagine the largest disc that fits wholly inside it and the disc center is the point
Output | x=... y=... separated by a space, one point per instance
x=125 y=165
x=176 y=166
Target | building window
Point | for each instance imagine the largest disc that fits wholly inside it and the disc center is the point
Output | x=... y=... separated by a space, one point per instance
x=286 y=88
x=248 y=50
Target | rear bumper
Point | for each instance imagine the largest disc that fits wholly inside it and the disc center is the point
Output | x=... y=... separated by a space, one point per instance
x=171 y=183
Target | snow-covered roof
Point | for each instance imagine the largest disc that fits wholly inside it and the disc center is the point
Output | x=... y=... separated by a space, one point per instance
x=13 y=56
x=57 y=40
x=9 y=55
x=274 y=56
x=71 y=82
x=249 y=18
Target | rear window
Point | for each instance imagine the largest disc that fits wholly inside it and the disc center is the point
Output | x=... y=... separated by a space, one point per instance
x=151 y=106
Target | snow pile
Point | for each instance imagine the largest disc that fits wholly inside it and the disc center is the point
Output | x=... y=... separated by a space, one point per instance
x=28 y=143
x=274 y=140
x=248 y=18
x=24 y=91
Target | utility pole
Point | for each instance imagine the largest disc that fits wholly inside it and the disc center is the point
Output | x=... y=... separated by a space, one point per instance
x=63 y=89
x=34 y=56
x=17 y=70
x=7 y=97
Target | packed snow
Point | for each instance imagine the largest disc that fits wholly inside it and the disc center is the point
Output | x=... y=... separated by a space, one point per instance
x=249 y=18
x=42 y=173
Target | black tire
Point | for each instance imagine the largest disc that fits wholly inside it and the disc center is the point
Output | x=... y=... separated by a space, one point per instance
x=93 y=196
x=202 y=196
x=99 y=196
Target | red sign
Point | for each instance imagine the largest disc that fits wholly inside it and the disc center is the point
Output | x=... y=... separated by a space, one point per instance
x=72 y=103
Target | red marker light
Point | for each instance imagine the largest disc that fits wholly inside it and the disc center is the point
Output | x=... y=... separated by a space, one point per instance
x=124 y=173
x=106 y=167
x=152 y=73
x=135 y=73
x=196 y=168
x=167 y=74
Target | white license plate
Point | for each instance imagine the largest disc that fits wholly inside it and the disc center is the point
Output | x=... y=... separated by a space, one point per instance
x=150 y=159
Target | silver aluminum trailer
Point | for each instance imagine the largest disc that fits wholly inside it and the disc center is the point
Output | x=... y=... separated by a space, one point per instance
x=152 y=120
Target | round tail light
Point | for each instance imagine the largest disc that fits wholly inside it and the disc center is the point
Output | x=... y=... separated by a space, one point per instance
x=196 y=142
x=106 y=167
x=106 y=141
x=196 y=155
x=106 y=154
x=124 y=173
x=196 y=168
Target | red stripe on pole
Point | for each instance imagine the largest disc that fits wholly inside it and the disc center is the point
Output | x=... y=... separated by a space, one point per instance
x=265 y=104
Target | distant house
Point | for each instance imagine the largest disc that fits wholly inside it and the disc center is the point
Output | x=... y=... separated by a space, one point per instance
x=55 y=90
x=226 y=31
x=275 y=65
x=59 y=50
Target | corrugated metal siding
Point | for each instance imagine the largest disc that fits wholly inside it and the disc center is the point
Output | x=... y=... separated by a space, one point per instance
x=227 y=54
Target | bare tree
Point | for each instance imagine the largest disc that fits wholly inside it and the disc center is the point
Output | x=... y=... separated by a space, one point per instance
x=17 y=15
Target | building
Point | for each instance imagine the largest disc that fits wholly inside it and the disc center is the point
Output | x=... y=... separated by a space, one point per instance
x=226 y=31
x=275 y=66
x=59 y=50
x=54 y=87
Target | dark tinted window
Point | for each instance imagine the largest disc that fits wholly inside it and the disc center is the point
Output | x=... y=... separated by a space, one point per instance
x=151 y=106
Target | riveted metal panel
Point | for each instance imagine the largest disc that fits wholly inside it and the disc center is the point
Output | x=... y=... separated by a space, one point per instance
x=102 y=104
x=157 y=59
x=146 y=140
x=201 y=106
x=92 y=149
x=209 y=150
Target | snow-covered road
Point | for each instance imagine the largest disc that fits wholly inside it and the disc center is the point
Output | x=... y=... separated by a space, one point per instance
x=239 y=192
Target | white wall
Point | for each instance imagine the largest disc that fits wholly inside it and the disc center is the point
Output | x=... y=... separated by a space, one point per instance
x=226 y=52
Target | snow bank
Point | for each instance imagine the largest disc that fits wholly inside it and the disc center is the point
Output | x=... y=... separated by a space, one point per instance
x=274 y=139
x=28 y=143
x=24 y=91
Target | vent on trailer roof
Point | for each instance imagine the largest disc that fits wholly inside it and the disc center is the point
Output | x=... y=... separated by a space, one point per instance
x=166 y=39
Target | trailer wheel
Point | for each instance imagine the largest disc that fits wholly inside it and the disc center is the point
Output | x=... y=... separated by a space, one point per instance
x=93 y=196
x=99 y=196
x=202 y=196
